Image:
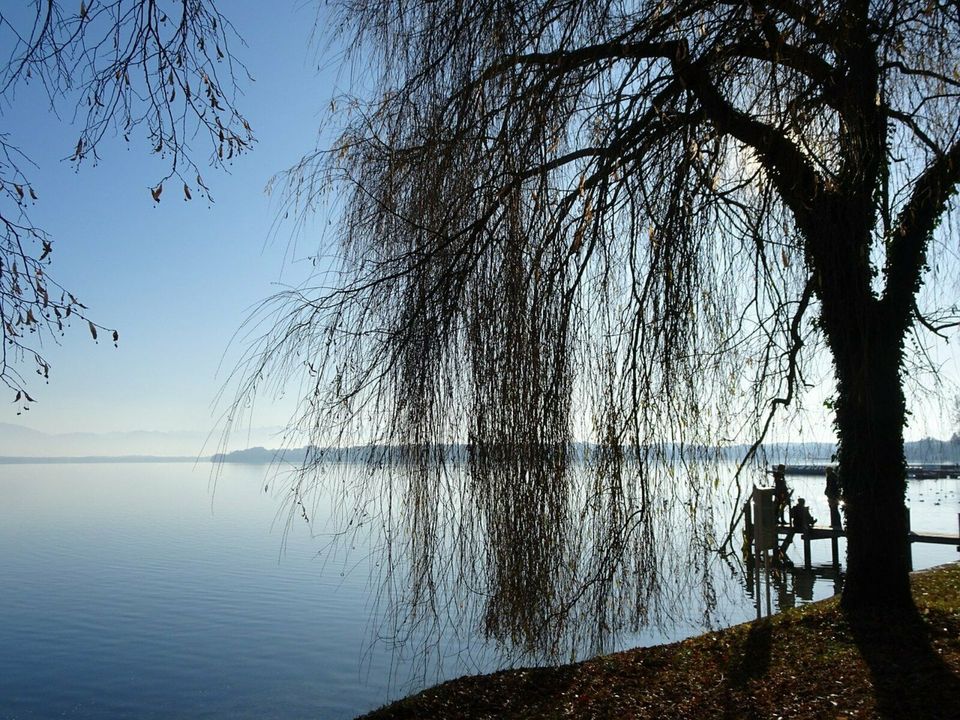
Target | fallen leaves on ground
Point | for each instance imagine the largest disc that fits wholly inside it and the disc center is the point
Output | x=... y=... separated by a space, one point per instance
x=810 y=662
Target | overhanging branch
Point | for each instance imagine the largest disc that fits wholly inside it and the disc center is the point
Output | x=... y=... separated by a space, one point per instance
x=795 y=179
x=907 y=248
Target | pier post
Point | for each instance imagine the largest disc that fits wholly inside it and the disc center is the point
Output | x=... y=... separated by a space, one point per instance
x=764 y=536
x=806 y=548
x=906 y=510
x=835 y=549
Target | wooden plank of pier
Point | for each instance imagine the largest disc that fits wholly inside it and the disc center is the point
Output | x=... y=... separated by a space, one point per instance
x=821 y=532
x=935 y=538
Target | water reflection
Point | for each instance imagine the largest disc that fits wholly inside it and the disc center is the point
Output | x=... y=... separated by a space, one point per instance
x=792 y=585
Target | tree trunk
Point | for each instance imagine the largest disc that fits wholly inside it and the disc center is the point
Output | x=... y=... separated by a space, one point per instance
x=870 y=418
x=866 y=338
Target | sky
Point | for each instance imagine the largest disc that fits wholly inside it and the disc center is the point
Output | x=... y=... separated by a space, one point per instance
x=177 y=279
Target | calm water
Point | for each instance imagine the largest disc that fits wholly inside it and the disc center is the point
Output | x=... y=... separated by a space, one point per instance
x=135 y=591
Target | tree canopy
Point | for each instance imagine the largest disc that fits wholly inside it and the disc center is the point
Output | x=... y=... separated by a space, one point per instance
x=160 y=73
x=631 y=223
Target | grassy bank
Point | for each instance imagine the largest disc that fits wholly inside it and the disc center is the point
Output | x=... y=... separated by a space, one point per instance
x=810 y=662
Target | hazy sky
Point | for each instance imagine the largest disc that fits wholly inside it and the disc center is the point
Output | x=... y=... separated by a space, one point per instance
x=178 y=279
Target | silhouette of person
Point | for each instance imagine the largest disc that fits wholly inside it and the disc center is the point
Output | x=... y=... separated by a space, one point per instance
x=800 y=517
x=800 y=520
x=781 y=493
x=832 y=491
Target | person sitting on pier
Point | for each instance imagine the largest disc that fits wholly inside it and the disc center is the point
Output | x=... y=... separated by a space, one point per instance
x=832 y=491
x=800 y=520
x=781 y=493
x=800 y=517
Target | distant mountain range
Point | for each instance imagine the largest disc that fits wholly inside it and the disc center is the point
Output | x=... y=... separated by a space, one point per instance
x=89 y=459
x=24 y=443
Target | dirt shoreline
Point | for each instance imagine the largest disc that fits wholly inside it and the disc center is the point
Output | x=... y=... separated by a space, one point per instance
x=808 y=662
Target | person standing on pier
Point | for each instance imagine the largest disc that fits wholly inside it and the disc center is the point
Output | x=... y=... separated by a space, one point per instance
x=781 y=493
x=832 y=491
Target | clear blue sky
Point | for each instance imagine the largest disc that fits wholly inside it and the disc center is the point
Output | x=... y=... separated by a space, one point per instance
x=176 y=279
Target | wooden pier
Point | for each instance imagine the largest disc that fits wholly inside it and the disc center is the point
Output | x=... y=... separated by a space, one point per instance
x=819 y=532
x=766 y=539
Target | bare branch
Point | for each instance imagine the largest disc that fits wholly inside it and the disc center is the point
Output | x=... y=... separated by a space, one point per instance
x=913 y=229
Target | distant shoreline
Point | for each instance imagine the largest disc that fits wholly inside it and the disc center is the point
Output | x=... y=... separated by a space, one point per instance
x=93 y=459
x=805 y=458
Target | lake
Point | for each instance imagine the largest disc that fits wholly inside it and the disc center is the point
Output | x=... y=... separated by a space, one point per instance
x=141 y=591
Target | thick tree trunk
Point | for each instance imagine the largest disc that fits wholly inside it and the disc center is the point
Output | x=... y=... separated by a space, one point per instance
x=866 y=338
x=870 y=418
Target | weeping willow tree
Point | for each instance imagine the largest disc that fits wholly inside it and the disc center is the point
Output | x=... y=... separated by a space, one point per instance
x=628 y=223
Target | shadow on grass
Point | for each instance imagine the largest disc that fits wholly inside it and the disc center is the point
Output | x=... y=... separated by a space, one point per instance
x=754 y=659
x=750 y=663
x=909 y=677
